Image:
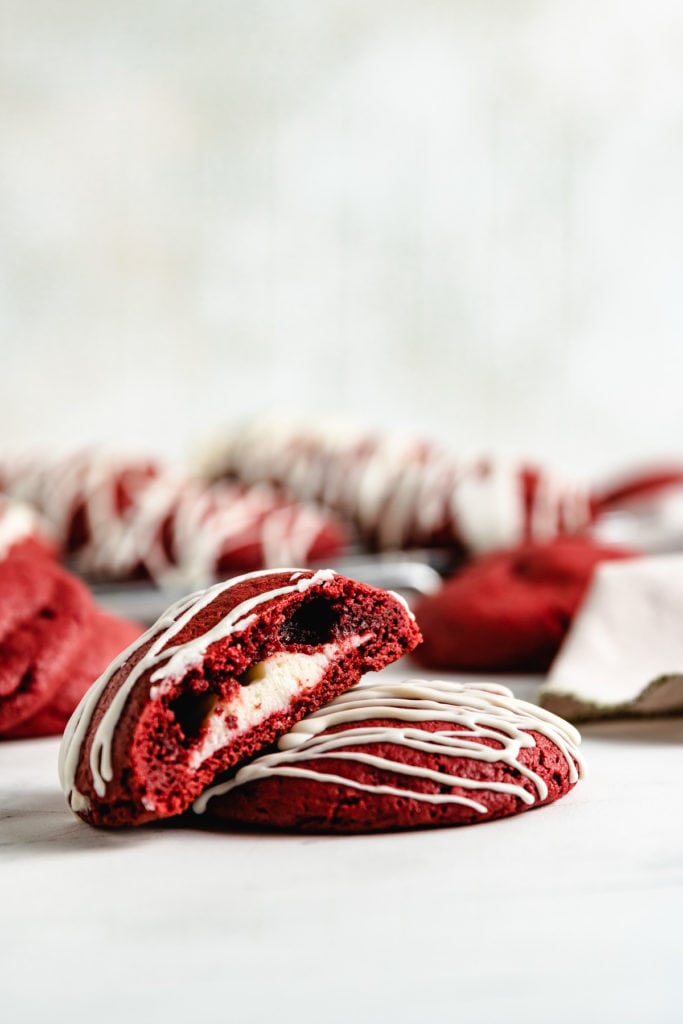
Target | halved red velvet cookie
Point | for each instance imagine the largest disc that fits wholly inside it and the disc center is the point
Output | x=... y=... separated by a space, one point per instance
x=415 y=754
x=219 y=677
x=509 y=611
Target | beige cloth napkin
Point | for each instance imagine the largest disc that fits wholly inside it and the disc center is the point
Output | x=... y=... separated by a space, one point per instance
x=624 y=652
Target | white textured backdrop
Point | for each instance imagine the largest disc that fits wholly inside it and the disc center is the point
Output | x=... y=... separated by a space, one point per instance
x=463 y=217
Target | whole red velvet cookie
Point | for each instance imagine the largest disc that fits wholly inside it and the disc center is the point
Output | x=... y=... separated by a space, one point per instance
x=102 y=638
x=509 y=611
x=409 y=755
x=43 y=612
x=637 y=486
x=403 y=492
x=123 y=519
x=219 y=677
x=54 y=642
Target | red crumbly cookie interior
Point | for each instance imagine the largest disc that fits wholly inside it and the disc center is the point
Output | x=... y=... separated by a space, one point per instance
x=308 y=805
x=157 y=747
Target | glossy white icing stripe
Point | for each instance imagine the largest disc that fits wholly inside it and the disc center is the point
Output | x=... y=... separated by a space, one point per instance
x=167 y=662
x=287 y=535
x=487 y=508
x=174 y=526
x=482 y=711
x=402 y=492
x=18 y=521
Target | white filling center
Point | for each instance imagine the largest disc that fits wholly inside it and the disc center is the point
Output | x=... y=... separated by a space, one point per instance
x=271 y=686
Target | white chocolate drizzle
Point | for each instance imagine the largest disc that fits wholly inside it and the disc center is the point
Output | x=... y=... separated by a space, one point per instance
x=470 y=714
x=167 y=662
x=18 y=522
x=173 y=526
x=402 y=493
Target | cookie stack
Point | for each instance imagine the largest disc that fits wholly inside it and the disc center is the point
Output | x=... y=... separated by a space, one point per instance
x=241 y=705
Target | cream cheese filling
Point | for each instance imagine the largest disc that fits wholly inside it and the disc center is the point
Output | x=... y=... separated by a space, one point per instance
x=268 y=689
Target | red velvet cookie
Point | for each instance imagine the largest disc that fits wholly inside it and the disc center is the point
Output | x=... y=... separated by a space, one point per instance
x=638 y=486
x=103 y=637
x=54 y=642
x=509 y=611
x=43 y=612
x=403 y=493
x=219 y=677
x=123 y=519
x=408 y=755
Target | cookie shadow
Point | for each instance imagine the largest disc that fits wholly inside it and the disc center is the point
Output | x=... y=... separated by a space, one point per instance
x=38 y=823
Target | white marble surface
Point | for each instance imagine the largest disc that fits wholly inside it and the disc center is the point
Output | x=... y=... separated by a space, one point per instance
x=569 y=913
